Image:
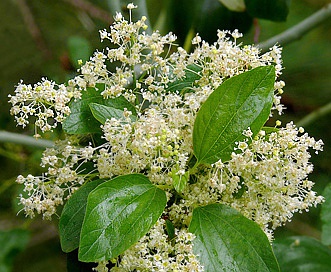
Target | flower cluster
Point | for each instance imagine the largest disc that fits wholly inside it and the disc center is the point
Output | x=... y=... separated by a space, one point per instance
x=46 y=100
x=266 y=178
x=64 y=175
x=153 y=142
x=158 y=253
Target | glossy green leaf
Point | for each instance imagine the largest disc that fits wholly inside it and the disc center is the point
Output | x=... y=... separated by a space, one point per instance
x=326 y=216
x=81 y=119
x=118 y=213
x=302 y=254
x=228 y=241
x=72 y=216
x=102 y=112
x=276 y=10
x=240 y=102
x=192 y=73
x=12 y=242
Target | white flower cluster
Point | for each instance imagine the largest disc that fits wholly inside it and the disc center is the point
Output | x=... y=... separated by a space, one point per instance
x=266 y=178
x=154 y=142
x=63 y=177
x=273 y=171
x=46 y=100
x=157 y=253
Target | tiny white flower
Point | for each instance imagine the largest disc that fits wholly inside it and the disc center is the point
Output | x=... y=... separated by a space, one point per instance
x=131 y=6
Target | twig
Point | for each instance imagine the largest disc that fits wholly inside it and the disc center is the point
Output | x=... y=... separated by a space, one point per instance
x=33 y=28
x=297 y=31
x=92 y=10
x=10 y=137
x=313 y=116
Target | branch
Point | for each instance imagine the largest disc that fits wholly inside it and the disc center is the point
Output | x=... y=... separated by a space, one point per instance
x=297 y=31
x=10 y=137
x=313 y=116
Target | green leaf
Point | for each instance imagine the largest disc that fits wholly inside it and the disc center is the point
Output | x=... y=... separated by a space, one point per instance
x=326 y=216
x=81 y=119
x=240 y=102
x=72 y=216
x=276 y=10
x=228 y=241
x=102 y=112
x=12 y=242
x=118 y=213
x=302 y=254
x=192 y=73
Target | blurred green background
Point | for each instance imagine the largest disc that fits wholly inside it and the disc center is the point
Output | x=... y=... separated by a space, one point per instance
x=40 y=38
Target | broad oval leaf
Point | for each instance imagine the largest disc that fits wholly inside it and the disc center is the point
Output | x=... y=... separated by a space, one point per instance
x=302 y=254
x=103 y=112
x=118 y=213
x=326 y=216
x=81 y=119
x=240 y=102
x=72 y=216
x=276 y=10
x=228 y=241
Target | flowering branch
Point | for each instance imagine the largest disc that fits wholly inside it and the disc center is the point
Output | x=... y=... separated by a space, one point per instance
x=297 y=31
x=23 y=139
